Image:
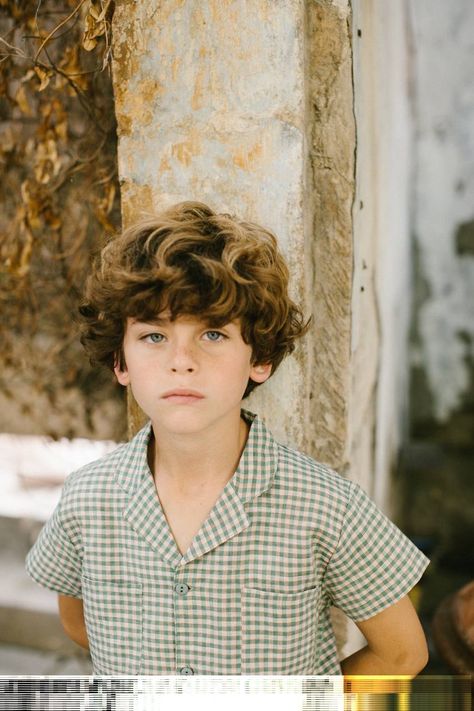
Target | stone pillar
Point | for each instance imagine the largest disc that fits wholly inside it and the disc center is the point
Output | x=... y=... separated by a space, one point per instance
x=249 y=106
x=329 y=198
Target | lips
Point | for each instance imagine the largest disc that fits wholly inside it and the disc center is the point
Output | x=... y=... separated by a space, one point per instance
x=182 y=393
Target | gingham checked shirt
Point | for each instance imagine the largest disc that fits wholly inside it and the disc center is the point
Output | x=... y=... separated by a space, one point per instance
x=287 y=539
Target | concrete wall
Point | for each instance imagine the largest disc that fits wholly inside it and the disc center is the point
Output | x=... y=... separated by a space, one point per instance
x=210 y=103
x=443 y=335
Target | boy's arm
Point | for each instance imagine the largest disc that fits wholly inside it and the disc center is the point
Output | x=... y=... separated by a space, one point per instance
x=396 y=643
x=71 y=613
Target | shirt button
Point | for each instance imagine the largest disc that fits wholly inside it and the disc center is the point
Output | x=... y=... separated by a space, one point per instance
x=186 y=671
x=181 y=588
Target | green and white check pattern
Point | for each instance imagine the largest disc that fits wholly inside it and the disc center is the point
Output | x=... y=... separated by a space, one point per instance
x=287 y=539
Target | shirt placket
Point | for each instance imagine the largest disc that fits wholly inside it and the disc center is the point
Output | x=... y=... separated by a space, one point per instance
x=182 y=593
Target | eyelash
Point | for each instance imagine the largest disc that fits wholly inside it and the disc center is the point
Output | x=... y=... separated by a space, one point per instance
x=154 y=333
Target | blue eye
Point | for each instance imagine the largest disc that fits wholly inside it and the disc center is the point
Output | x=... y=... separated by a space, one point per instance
x=215 y=335
x=154 y=337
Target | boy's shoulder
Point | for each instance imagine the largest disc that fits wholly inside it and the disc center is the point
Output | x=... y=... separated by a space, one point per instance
x=316 y=494
x=302 y=469
x=297 y=473
x=104 y=473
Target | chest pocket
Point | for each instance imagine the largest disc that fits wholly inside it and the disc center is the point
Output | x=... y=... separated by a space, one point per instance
x=113 y=613
x=279 y=632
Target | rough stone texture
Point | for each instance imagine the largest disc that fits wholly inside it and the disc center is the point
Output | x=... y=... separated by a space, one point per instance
x=332 y=135
x=444 y=211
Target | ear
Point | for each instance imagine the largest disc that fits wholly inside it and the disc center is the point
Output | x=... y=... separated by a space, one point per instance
x=260 y=372
x=121 y=375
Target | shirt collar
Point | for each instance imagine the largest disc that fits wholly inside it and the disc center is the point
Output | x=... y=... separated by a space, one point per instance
x=259 y=460
x=253 y=476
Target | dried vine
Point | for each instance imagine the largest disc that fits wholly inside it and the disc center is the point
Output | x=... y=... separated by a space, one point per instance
x=59 y=198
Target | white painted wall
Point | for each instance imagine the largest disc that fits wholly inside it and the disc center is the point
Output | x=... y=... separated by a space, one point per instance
x=381 y=288
x=444 y=195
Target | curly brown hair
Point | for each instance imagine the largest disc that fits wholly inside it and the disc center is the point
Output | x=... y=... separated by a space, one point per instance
x=191 y=260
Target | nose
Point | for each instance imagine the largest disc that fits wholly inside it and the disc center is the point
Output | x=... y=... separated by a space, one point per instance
x=183 y=359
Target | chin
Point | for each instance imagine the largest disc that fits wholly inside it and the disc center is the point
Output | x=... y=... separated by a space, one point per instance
x=180 y=422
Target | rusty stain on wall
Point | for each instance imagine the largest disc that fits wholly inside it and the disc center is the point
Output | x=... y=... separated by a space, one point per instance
x=184 y=151
x=246 y=159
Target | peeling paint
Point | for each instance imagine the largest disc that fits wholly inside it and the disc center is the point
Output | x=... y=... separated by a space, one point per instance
x=464 y=238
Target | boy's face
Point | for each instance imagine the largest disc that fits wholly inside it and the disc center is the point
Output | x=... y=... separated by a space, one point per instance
x=187 y=355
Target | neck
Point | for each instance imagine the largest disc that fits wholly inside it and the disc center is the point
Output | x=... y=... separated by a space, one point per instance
x=191 y=463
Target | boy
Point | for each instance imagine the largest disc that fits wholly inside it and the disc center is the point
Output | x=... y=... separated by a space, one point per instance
x=203 y=546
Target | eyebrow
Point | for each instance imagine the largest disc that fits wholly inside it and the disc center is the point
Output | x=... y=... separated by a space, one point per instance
x=158 y=321
x=152 y=322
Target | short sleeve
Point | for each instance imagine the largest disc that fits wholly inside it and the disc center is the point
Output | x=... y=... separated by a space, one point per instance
x=55 y=562
x=374 y=564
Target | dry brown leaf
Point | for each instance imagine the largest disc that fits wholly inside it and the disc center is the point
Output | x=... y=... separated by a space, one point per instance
x=94 y=11
x=94 y=28
x=109 y=197
x=25 y=255
x=29 y=75
x=89 y=44
x=71 y=66
x=60 y=129
x=48 y=162
x=32 y=205
x=99 y=13
x=21 y=99
x=7 y=140
x=101 y=210
x=44 y=77
x=55 y=119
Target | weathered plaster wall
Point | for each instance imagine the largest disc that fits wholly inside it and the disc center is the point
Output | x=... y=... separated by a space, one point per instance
x=443 y=336
x=210 y=106
x=227 y=102
x=381 y=287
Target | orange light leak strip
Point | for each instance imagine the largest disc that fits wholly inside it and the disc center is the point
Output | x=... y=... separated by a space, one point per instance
x=362 y=684
x=380 y=693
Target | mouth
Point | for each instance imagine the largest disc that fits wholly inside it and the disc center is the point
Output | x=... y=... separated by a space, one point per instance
x=182 y=396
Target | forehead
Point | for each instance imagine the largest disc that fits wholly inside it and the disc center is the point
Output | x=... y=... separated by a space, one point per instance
x=163 y=319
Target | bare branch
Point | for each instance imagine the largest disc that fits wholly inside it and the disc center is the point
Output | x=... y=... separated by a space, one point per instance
x=46 y=40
